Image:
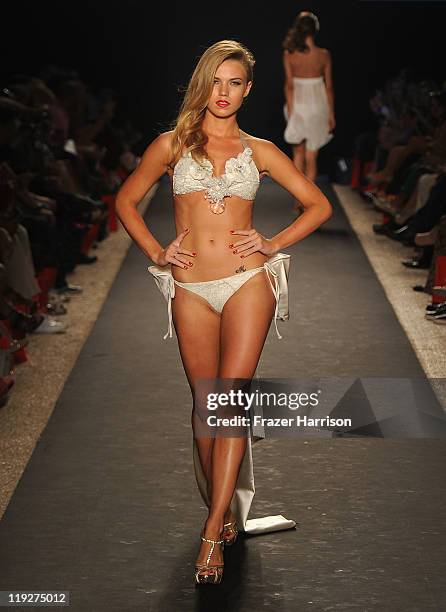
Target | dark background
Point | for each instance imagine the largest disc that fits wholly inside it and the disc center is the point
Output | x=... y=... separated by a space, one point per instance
x=146 y=52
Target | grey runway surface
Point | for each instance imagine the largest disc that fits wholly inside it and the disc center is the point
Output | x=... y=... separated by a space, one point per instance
x=108 y=507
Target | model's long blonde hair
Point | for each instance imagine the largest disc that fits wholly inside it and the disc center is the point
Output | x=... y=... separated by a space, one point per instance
x=187 y=134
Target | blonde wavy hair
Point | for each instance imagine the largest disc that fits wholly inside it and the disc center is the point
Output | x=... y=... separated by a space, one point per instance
x=187 y=133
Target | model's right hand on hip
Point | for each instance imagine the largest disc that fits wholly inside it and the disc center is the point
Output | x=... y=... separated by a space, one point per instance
x=175 y=254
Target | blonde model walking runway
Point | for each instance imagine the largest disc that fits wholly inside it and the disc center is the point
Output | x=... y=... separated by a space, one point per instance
x=216 y=273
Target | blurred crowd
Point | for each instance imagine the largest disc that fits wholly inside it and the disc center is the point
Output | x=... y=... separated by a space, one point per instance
x=400 y=168
x=64 y=152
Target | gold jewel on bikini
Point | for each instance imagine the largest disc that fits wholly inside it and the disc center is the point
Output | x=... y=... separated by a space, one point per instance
x=217 y=188
x=216 y=192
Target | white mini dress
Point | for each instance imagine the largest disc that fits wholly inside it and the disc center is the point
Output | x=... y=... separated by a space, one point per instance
x=309 y=117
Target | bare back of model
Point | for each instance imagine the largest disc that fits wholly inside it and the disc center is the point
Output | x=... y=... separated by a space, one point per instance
x=308 y=64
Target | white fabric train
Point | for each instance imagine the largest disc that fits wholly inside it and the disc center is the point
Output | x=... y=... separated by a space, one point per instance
x=243 y=495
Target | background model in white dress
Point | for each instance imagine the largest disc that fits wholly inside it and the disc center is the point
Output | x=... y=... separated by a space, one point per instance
x=309 y=116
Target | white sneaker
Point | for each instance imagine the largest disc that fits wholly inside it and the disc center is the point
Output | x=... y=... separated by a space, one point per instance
x=53 y=296
x=50 y=326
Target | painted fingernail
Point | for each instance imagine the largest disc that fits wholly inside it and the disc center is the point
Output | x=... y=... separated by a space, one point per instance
x=193 y=253
x=241 y=255
x=231 y=246
x=231 y=231
x=190 y=263
x=186 y=268
x=234 y=252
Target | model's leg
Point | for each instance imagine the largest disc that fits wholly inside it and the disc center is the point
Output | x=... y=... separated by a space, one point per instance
x=198 y=331
x=299 y=156
x=246 y=318
x=299 y=162
x=311 y=164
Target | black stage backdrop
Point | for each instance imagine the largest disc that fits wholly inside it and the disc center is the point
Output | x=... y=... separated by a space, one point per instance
x=146 y=51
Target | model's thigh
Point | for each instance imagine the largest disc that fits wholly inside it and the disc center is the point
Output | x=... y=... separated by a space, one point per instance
x=246 y=318
x=198 y=331
x=310 y=155
x=299 y=149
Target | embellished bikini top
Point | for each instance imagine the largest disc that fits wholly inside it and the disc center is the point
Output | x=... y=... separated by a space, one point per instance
x=241 y=178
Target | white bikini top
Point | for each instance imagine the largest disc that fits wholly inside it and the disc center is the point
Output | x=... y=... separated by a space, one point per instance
x=241 y=178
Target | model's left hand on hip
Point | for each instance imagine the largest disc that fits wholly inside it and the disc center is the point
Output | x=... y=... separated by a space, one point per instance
x=251 y=243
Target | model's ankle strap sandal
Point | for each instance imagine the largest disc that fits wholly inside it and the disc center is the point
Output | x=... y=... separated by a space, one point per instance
x=202 y=574
x=230 y=533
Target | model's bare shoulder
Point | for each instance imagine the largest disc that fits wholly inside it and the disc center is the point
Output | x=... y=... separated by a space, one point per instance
x=165 y=137
x=257 y=146
x=159 y=151
x=162 y=143
x=273 y=161
x=262 y=151
x=153 y=165
x=278 y=166
x=252 y=140
x=326 y=55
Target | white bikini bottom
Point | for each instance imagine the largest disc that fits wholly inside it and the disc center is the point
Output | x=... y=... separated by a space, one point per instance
x=218 y=291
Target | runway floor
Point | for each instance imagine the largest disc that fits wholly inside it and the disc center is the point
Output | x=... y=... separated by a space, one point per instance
x=108 y=507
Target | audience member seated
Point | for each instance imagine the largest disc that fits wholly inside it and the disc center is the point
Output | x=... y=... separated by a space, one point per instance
x=401 y=169
x=63 y=157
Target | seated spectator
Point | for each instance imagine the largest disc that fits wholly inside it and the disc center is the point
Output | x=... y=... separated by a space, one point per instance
x=62 y=158
x=408 y=185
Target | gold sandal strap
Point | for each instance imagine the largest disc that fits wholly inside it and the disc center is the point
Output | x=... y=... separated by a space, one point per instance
x=212 y=541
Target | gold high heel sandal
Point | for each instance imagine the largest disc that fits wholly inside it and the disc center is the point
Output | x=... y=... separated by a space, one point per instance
x=230 y=533
x=217 y=573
